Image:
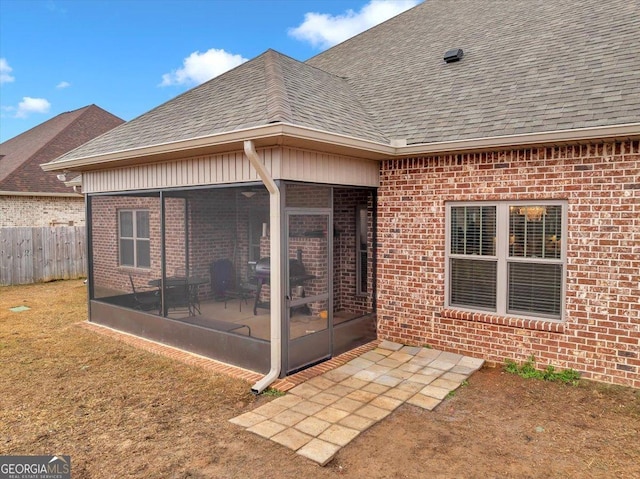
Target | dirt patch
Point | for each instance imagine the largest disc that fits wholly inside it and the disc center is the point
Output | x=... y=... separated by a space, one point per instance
x=124 y=413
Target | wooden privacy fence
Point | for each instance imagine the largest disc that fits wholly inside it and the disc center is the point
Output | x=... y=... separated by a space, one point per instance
x=32 y=255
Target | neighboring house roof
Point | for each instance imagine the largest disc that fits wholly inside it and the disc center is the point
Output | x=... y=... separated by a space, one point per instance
x=529 y=67
x=21 y=156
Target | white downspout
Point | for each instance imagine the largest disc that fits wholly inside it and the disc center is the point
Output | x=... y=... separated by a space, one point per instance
x=275 y=268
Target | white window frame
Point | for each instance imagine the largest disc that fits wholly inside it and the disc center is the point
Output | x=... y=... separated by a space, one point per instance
x=502 y=256
x=134 y=238
x=360 y=270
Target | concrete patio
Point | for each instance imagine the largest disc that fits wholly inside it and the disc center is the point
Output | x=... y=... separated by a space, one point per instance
x=325 y=413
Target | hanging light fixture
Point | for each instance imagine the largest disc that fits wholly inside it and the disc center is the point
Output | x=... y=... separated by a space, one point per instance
x=533 y=213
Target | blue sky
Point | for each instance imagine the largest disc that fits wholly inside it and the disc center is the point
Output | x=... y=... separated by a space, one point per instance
x=128 y=56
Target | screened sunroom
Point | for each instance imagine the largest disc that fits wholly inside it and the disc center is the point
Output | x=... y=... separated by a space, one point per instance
x=190 y=267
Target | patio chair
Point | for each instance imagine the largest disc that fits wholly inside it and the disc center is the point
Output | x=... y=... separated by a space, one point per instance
x=194 y=299
x=145 y=300
x=178 y=296
x=223 y=283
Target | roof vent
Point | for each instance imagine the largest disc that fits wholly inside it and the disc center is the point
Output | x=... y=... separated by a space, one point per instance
x=453 y=55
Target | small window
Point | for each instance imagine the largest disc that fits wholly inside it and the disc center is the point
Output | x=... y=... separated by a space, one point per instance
x=362 y=258
x=507 y=258
x=135 y=250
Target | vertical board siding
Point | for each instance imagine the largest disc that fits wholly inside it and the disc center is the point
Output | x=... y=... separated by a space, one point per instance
x=317 y=167
x=197 y=171
x=282 y=163
x=31 y=255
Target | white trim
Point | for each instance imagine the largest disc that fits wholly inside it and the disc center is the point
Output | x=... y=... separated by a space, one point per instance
x=503 y=259
x=625 y=131
x=359 y=208
x=134 y=238
x=32 y=193
x=279 y=133
x=276 y=132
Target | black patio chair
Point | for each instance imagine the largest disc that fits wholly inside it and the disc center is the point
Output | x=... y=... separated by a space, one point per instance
x=178 y=297
x=145 y=300
x=194 y=299
x=223 y=283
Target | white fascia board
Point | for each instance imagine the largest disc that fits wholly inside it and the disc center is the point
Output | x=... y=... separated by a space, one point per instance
x=377 y=150
x=255 y=133
x=158 y=149
x=42 y=194
x=630 y=130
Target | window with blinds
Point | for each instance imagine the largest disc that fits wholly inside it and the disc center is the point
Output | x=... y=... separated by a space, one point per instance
x=507 y=258
x=472 y=261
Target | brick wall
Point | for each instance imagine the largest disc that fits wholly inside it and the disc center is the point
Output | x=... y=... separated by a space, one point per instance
x=41 y=211
x=600 y=336
x=313 y=253
x=108 y=276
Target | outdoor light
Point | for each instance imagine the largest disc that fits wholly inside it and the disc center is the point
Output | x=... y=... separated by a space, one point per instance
x=62 y=177
x=248 y=194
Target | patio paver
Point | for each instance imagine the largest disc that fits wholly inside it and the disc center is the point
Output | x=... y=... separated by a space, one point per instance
x=359 y=423
x=292 y=438
x=319 y=451
x=267 y=428
x=312 y=425
x=318 y=417
x=425 y=402
x=289 y=417
x=331 y=414
x=339 y=435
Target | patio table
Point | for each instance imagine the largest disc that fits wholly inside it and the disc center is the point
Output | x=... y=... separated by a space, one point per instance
x=192 y=283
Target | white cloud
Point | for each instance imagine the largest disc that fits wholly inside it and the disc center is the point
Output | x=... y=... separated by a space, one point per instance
x=63 y=84
x=199 y=67
x=30 y=105
x=323 y=30
x=56 y=8
x=5 y=72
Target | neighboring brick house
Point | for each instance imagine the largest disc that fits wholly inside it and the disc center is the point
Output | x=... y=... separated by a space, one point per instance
x=30 y=196
x=505 y=219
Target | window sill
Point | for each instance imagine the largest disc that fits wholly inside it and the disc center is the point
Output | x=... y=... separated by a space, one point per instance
x=133 y=269
x=533 y=324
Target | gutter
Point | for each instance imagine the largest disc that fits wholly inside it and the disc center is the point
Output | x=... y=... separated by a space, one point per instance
x=396 y=148
x=626 y=131
x=40 y=194
x=273 y=132
x=276 y=268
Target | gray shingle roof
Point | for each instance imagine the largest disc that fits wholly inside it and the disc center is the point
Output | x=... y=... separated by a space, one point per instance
x=270 y=88
x=529 y=66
